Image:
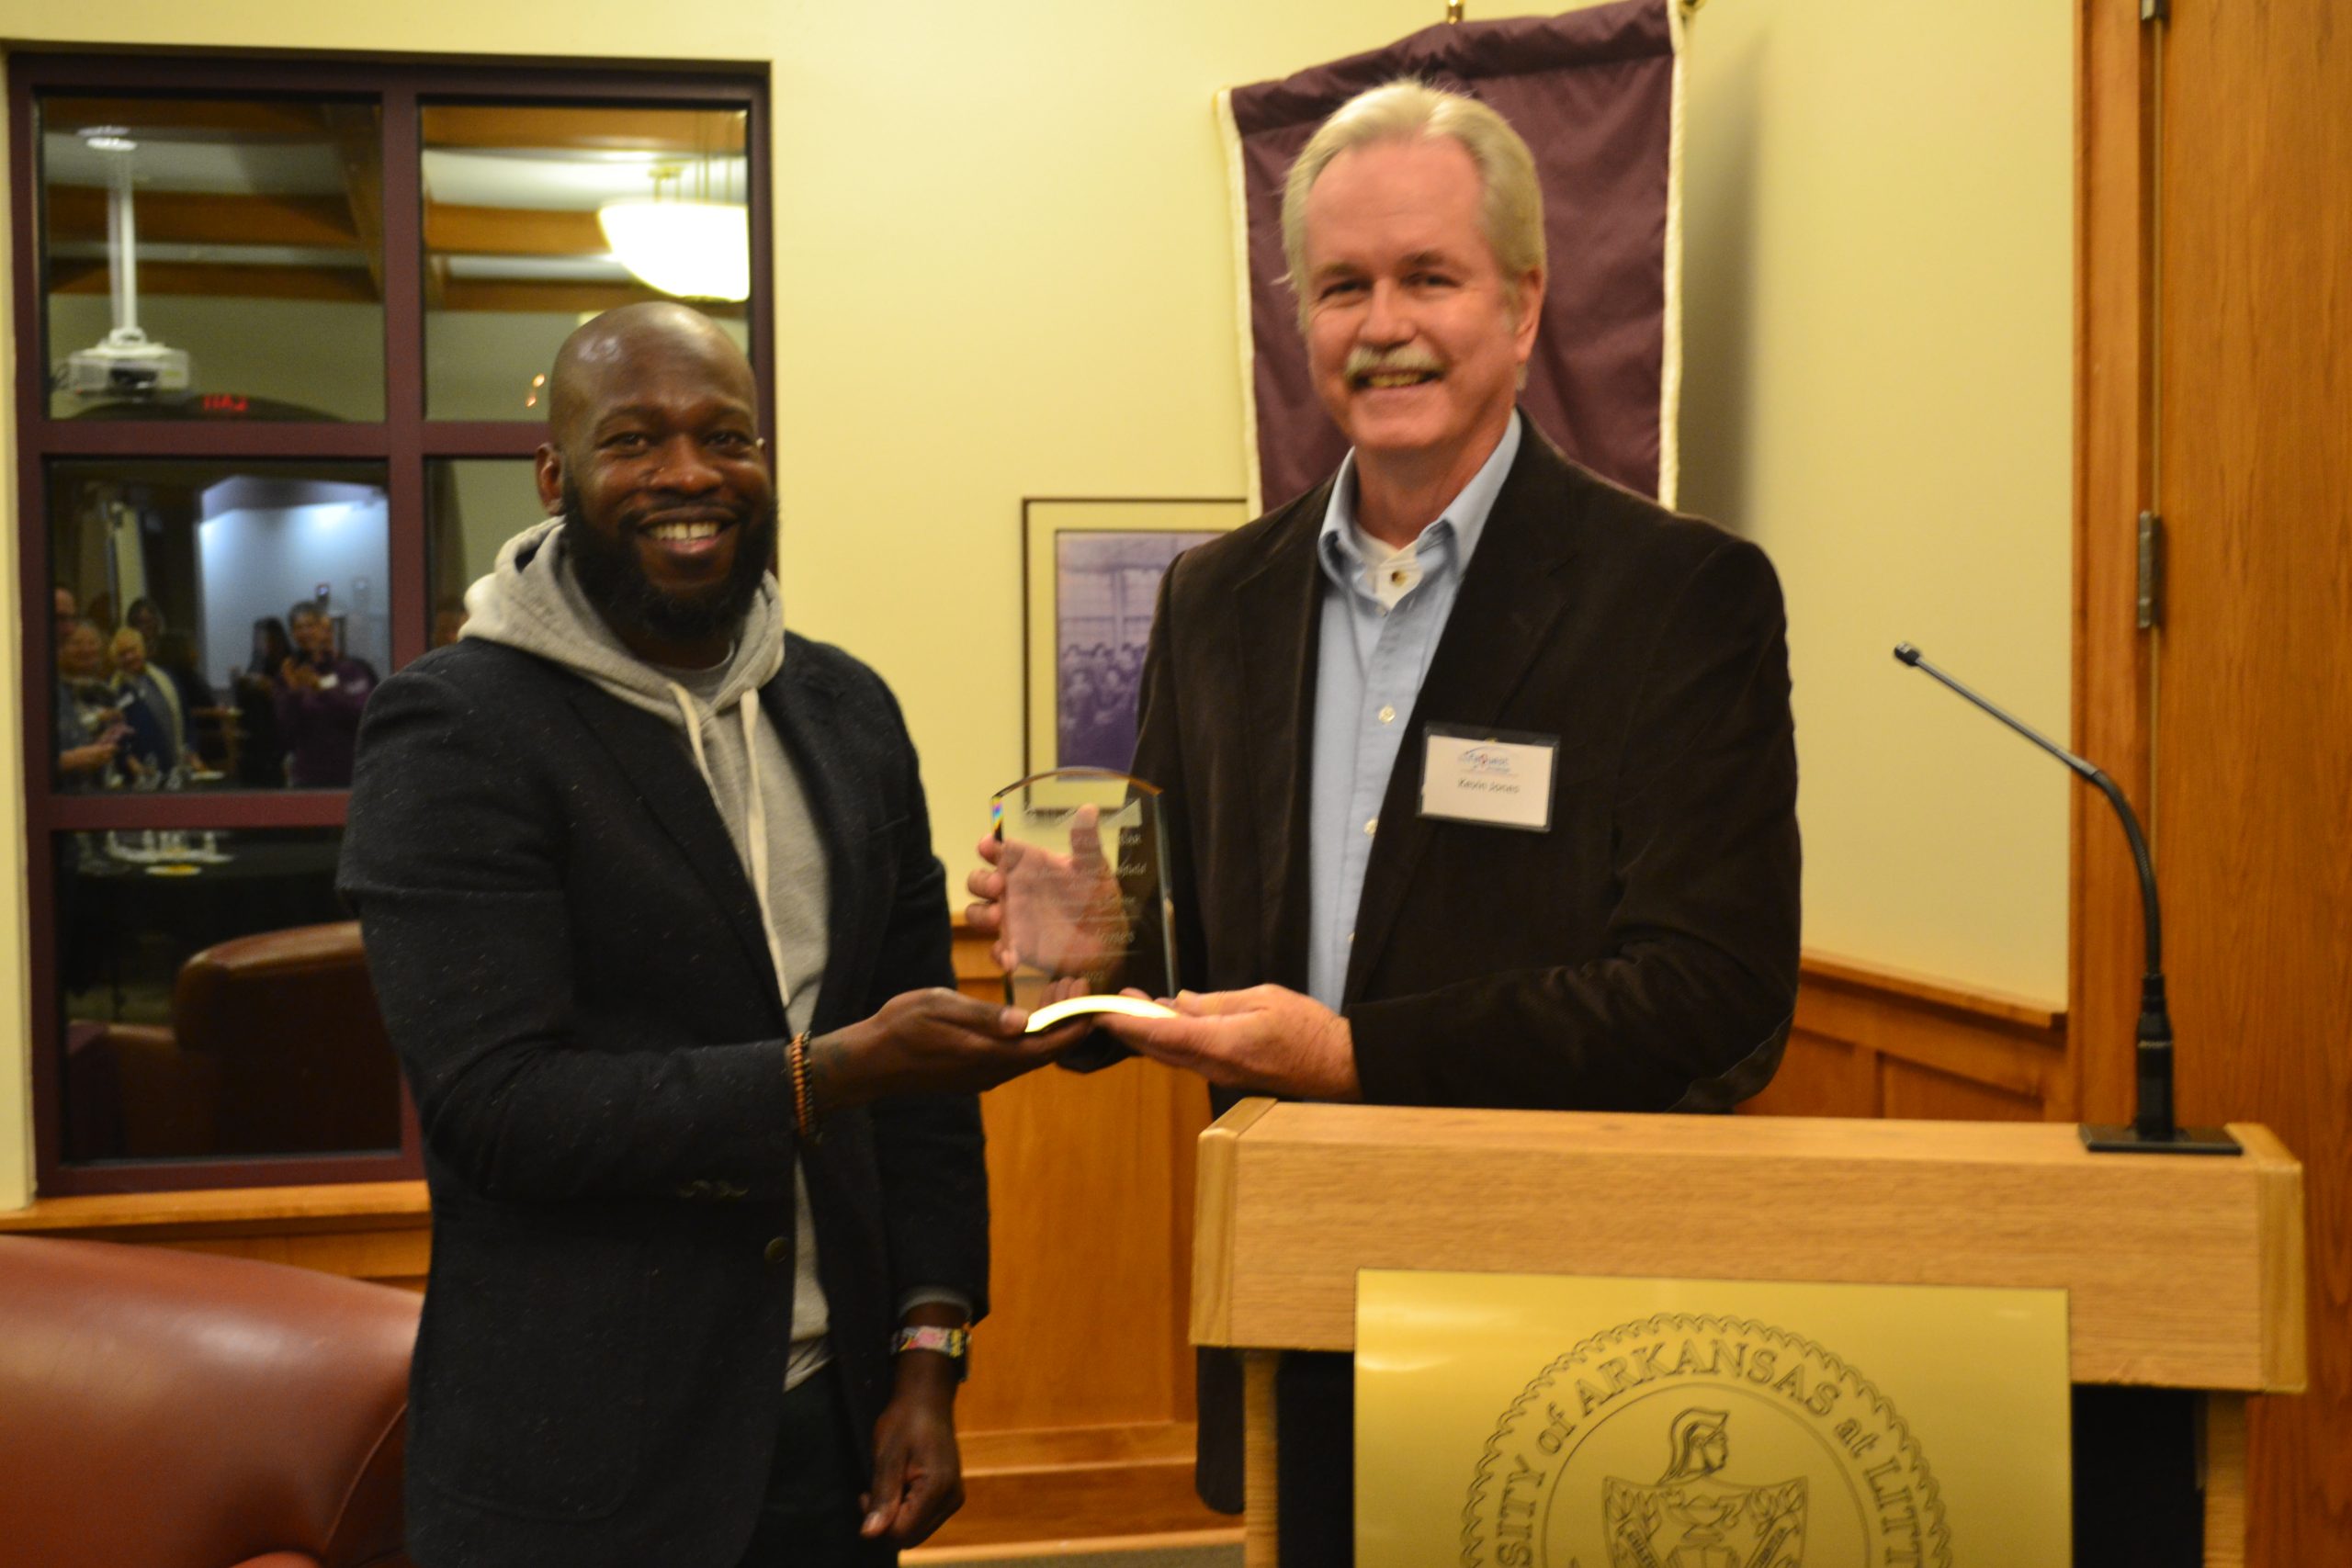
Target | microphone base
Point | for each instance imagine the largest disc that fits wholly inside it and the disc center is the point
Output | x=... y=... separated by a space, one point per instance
x=2111 y=1138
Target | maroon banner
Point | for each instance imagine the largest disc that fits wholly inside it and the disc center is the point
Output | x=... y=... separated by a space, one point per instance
x=1593 y=94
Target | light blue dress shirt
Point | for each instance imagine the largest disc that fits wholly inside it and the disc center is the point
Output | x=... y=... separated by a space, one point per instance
x=1382 y=616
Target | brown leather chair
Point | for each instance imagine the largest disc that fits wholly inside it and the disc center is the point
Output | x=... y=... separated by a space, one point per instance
x=164 y=1409
x=302 y=1059
x=274 y=1047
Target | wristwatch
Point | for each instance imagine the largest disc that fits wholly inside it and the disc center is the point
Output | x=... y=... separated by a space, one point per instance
x=956 y=1344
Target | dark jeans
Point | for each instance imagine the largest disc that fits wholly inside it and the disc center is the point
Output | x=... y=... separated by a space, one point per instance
x=810 y=1518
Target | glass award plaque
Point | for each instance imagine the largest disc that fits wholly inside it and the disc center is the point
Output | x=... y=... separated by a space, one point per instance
x=1085 y=907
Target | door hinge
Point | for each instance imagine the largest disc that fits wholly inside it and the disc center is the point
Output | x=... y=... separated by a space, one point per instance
x=2151 y=612
x=2155 y=10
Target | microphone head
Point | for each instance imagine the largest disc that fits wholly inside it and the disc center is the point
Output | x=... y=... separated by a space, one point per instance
x=1906 y=654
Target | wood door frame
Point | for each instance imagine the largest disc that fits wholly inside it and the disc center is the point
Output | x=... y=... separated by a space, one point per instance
x=2118 y=65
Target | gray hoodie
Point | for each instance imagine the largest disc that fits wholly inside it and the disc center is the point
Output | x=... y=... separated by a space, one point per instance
x=532 y=600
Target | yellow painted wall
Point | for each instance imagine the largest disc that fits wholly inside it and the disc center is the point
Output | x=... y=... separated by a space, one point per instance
x=1003 y=269
x=1878 y=388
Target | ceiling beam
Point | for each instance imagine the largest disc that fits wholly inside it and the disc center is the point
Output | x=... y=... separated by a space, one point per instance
x=347 y=285
x=686 y=132
x=453 y=230
x=190 y=217
x=566 y=298
x=359 y=146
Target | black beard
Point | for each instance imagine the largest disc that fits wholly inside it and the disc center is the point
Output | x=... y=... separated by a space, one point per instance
x=616 y=584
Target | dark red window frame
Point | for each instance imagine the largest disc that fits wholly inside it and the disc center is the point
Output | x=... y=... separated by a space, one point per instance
x=404 y=441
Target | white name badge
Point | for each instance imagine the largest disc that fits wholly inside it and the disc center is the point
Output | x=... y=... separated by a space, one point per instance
x=1486 y=778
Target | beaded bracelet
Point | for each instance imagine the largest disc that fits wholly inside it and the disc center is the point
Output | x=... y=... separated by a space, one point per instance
x=795 y=1056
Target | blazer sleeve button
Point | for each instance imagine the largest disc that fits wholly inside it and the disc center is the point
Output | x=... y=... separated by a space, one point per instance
x=778 y=1250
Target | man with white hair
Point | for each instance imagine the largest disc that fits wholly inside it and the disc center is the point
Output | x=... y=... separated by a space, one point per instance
x=1480 y=774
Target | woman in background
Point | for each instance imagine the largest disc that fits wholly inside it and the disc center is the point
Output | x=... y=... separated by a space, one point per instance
x=261 y=760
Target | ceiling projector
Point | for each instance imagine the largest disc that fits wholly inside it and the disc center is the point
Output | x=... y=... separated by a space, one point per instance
x=125 y=363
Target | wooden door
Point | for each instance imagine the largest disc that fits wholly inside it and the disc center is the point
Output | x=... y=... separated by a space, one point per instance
x=2217 y=391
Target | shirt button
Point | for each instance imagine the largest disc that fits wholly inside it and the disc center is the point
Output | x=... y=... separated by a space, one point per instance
x=1370 y=826
x=777 y=1250
x=1397 y=577
x=1387 y=716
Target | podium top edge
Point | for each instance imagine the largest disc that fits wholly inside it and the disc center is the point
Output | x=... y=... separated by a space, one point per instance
x=1259 y=1123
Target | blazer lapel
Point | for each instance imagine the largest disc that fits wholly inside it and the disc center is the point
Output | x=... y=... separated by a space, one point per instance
x=1275 y=611
x=653 y=756
x=1502 y=617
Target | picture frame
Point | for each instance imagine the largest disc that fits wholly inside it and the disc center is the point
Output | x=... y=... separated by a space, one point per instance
x=1090 y=571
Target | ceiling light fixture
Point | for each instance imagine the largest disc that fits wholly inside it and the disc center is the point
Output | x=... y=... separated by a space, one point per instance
x=692 y=249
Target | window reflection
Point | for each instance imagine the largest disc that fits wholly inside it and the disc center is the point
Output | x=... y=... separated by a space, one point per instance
x=472 y=507
x=215 y=1001
x=218 y=625
x=518 y=251
x=214 y=259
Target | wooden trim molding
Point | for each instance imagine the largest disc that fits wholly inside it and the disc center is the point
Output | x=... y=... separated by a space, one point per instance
x=1876 y=1042
x=363 y=1230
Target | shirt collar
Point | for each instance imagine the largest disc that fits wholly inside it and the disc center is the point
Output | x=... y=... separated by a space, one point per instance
x=1461 y=524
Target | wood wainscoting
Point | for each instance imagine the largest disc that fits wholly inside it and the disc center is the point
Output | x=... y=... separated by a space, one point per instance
x=1078 y=1421
x=1879 y=1042
x=362 y=1230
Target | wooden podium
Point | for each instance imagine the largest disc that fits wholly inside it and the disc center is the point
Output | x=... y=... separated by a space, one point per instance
x=2181 y=1271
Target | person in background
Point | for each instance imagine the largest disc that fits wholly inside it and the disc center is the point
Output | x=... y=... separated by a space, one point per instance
x=151 y=711
x=261 y=754
x=91 y=733
x=151 y=705
x=320 y=695
x=173 y=657
x=145 y=617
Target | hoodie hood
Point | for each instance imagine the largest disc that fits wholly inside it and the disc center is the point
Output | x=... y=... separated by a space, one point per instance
x=532 y=600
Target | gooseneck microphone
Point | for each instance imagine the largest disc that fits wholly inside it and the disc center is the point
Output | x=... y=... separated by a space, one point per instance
x=2152 y=1130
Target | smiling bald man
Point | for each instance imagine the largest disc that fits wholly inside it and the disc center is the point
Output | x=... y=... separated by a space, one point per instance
x=1479 y=770
x=653 y=915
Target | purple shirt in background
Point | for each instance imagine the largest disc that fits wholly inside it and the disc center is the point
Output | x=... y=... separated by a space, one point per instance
x=319 y=727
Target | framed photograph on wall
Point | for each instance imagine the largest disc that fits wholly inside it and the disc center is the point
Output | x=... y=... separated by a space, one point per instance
x=1090 y=571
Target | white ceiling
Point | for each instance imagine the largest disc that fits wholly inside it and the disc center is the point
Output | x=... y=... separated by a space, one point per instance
x=567 y=181
x=221 y=168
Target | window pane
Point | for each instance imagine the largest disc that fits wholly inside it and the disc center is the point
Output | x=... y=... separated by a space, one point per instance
x=517 y=204
x=474 y=506
x=215 y=1002
x=213 y=258
x=219 y=624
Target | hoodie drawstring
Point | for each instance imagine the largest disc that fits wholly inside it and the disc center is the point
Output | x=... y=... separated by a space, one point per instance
x=758 y=812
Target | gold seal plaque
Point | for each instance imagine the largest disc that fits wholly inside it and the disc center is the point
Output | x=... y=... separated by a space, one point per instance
x=1512 y=1422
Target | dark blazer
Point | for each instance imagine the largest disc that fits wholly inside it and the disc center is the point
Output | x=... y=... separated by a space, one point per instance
x=1640 y=955
x=570 y=962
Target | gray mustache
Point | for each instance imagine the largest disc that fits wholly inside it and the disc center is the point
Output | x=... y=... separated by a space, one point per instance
x=1363 y=362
